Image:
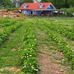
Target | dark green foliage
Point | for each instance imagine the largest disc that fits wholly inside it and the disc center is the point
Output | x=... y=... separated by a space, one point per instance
x=57 y=3
x=69 y=11
x=6 y=4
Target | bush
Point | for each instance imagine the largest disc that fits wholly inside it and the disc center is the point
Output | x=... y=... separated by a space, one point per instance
x=68 y=11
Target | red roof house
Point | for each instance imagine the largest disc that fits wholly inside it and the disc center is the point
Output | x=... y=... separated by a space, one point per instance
x=36 y=8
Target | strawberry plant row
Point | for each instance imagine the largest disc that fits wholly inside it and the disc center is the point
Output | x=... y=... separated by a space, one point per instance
x=7 y=22
x=61 y=43
x=64 y=47
x=7 y=30
x=29 y=52
x=62 y=29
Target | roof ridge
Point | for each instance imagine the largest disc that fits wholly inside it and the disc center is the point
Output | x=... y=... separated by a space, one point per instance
x=35 y=5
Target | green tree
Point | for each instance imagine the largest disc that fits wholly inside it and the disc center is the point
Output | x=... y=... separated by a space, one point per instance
x=6 y=3
x=57 y=3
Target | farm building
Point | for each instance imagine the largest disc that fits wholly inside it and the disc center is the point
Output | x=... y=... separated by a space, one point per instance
x=37 y=8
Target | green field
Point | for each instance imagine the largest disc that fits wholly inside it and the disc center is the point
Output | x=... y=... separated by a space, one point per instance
x=26 y=42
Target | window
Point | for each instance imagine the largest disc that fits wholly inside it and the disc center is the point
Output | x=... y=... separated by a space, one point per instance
x=41 y=6
x=25 y=6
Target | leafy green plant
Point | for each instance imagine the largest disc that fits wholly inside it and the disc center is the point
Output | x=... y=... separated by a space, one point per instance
x=61 y=43
x=29 y=52
x=7 y=30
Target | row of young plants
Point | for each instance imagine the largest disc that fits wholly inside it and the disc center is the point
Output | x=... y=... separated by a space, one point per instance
x=61 y=44
x=5 y=32
x=62 y=29
x=6 y=22
x=64 y=47
x=29 y=52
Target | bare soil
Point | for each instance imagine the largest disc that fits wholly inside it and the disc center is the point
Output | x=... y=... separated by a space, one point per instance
x=48 y=64
x=15 y=70
x=6 y=13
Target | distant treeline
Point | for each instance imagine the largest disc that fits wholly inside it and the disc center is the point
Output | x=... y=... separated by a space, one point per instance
x=57 y=3
x=62 y=3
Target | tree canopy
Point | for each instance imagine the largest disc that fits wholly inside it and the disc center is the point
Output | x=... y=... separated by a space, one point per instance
x=57 y=3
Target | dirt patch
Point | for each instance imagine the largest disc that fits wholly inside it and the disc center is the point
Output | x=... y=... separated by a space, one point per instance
x=14 y=49
x=47 y=66
x=6 y=13
x=43 y=60
x=11 y=69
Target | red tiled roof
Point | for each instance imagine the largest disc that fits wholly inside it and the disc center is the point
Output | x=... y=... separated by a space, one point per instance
x=35 y=6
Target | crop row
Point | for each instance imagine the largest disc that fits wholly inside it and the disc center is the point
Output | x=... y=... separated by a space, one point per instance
x=64 y=47
x=29 y=52
x=61 y=43
x=6 y=22
x=62 y=29
x=4 y=33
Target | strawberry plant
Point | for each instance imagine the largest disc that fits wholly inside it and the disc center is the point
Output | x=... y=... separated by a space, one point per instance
x=29 y=52
x=7 y=30
x=60 y=42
